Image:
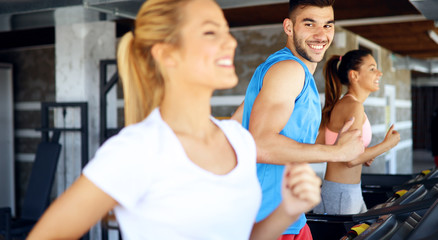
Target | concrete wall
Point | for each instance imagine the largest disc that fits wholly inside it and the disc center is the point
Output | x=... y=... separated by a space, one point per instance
x=34 y=82
x=255 y=44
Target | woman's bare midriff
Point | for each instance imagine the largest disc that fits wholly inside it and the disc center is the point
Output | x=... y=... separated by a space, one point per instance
x=341 y=173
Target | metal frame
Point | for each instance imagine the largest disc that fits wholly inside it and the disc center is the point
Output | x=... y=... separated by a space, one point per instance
x=45 y=127
x=105 y=132
x=105 y=86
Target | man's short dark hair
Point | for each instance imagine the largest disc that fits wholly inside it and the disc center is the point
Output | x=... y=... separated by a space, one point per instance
x=294 y=4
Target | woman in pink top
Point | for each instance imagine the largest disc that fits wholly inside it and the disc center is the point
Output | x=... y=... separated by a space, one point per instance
x=341 y=191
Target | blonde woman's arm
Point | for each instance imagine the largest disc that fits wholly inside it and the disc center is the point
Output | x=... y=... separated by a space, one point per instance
x=71 y=215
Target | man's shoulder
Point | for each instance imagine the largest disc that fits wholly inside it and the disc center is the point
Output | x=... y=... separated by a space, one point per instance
x=290 y=63
x=290 y=69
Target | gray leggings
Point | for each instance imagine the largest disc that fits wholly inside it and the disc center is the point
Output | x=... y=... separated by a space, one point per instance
x=340 y=198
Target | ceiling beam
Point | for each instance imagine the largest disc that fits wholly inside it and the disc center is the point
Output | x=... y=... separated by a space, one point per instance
x=380 y=20
x=225 y=4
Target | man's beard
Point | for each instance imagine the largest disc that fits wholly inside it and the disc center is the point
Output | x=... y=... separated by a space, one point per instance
x=302 y=52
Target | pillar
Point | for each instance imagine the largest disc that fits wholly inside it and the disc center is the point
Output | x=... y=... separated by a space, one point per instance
x=81 y=41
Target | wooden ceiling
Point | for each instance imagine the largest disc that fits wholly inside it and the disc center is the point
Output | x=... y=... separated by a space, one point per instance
x=394 y=24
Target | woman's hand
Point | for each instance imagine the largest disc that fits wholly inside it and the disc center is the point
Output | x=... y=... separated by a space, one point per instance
x=301 y=188
x=392 y=137
x=368 y=163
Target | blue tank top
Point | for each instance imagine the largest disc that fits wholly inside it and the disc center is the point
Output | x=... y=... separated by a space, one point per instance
x=302 y=127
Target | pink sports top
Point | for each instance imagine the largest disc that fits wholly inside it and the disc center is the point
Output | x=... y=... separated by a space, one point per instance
x=330 y=136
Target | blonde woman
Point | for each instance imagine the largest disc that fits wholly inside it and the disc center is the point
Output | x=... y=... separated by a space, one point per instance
x=175 y=172
x=357 y=69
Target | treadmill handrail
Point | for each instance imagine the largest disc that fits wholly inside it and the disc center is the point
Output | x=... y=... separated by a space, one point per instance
x=373 y=213
x=398 y=209
x=428 y=183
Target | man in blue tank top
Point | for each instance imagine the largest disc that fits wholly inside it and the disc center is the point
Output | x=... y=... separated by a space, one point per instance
x=282 y=108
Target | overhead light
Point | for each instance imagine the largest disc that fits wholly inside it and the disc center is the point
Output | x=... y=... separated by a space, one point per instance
x=433 y=35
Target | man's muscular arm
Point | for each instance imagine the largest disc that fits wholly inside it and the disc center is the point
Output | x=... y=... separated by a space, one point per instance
x=271 y=110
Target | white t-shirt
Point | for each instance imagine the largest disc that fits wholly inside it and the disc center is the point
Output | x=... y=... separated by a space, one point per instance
x=162 y=194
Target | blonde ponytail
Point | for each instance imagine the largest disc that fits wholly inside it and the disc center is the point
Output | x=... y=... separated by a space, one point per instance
x=158 y=21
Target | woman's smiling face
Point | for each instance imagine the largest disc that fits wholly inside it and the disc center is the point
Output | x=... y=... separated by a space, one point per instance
x=369 y=75
x=207 y=48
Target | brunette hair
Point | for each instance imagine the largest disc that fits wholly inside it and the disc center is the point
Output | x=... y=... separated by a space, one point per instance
x=294 y=4
x=336 y=76
x=158 y=21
